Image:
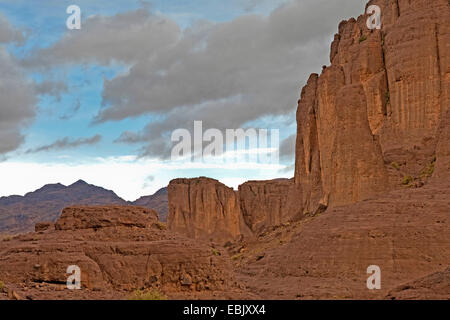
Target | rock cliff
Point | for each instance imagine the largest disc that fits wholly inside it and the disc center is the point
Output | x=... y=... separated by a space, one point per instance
x=371 y=119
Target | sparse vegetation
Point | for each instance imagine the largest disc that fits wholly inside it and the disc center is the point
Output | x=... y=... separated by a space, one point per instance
x=362 y=38
x=387 y=96
x=395 y=165
x=2 y=285
x=215 y=252
x=160 y=225
x=236 y=257
x=429 y=169
x=150 y=294
x=407 y=180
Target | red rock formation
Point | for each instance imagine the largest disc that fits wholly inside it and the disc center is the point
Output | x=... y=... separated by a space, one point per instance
x=405 y=232
x=116 y=248
x=379 y=103
x=77 y=218
x=267 y=203
x=435 y=286
x=443 y=148
x=204 y=208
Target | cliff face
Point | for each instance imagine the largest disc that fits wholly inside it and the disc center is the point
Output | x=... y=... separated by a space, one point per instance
x=207 y=209
x=267 y=203
x=371 y=118
x=376 y=119
x=204 y=208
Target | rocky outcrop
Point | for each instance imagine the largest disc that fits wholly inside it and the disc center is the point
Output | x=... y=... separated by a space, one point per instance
x=265 y=204
x=435 y=286
x=371 y=118
x=116 y=248
x=204 y=208
x=404 y=232
x=77 y=218
x=443 y=149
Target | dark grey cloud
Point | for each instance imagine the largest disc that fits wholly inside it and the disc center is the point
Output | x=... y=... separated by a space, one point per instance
x=66 y=143
x=8 y=33
x=287 y=147
x=126 y=37
x=53 y=88
x=17 y=103
x=225 y=74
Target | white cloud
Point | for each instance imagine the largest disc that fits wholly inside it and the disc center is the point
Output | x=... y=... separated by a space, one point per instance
x=124 y=175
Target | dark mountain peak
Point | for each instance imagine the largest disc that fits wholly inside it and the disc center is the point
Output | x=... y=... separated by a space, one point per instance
x=79 y=183
x=161 y=191
x=48 y=188
x=20 y=214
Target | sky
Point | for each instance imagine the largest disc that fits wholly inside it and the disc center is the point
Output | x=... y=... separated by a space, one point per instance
x=101 y=103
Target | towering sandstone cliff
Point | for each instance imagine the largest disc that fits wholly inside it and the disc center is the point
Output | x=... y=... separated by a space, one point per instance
x=376 y=119
x=371 y=118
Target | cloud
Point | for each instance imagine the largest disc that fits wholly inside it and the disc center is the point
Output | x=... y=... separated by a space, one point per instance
x=287 y=147
x=17 y=102
x=126 y=37
x=53 y=88
x=225 y=74
x=288 y=169
x=8 y=33
x=130 y=179
x=148 y=182
x=66 y=143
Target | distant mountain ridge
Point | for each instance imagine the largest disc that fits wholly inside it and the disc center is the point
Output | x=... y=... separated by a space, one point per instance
x=19 y=214
x=158 y=202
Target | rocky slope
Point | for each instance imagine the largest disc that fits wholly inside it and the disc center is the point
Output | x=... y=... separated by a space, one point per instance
x=405 y=232
x=118 y=249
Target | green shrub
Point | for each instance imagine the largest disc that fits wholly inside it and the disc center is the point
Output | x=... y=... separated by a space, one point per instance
x=215 y=252
x=395 y=165
x=429 y=169
x=2 y=285
x=407 y=180
x=362 y=38
x=236 y=257
x=151 y=294
x=388 y=97
x=160 y=225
